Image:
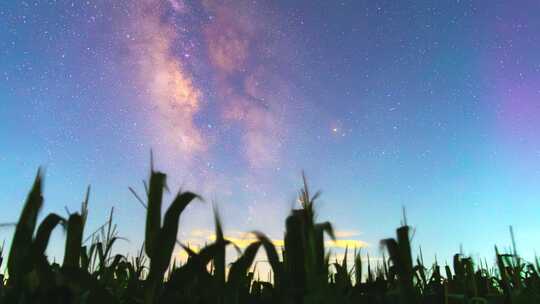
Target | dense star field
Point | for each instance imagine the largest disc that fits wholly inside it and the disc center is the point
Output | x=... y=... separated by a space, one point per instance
x=383 y=104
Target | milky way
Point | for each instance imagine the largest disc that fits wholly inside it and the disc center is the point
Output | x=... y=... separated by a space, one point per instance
x=239 y=85
x=383 y=104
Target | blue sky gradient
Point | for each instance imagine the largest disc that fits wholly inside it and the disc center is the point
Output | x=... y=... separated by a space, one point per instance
x=384 y=104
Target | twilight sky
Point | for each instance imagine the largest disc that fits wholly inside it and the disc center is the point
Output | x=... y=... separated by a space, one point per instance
x=383 y=103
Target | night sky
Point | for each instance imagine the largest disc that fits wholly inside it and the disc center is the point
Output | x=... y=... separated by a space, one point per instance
x=432 y=106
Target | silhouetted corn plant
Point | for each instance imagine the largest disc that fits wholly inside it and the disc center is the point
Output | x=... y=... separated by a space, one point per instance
x=91 y=273
x=160 y=240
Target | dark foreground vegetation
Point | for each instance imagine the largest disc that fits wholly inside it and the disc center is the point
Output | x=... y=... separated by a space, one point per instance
x=302 y=273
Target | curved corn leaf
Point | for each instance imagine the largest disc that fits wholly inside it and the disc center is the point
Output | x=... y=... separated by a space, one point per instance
x=241 y=266
x=189 y=251
x=318 y=245
x=167 y=236
x=44 y=233
x=272 y=255
x=326 y=227
x=210 y=252
x=393 y=250
x=22 y=239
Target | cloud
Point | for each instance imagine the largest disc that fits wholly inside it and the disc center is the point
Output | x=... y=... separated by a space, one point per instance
x=343 y=243
x=243 y=239
x=197 y=238
x=346 y=233
x=200 y=233
x=244 y=242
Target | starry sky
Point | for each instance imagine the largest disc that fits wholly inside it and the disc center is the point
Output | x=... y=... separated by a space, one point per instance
x=384 y=104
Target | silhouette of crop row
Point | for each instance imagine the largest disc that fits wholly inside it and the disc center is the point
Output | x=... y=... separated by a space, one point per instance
x=301 y=270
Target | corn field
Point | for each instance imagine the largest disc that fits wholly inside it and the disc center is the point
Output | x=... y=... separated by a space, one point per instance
x=302 y=271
